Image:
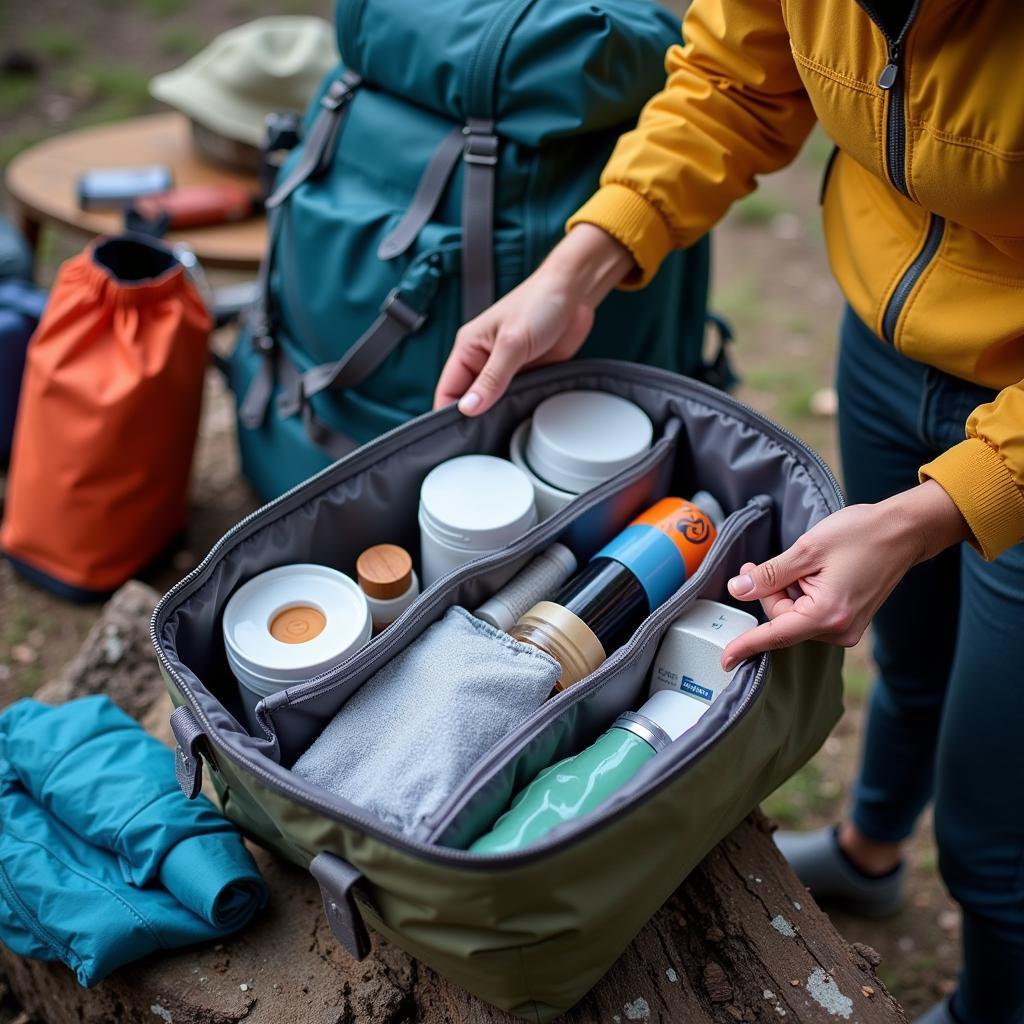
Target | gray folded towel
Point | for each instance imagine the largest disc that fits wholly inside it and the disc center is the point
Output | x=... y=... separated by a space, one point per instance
x=410 y=734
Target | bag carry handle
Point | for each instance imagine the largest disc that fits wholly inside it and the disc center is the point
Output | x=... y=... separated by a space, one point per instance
x=188 y=766
x=338 y=880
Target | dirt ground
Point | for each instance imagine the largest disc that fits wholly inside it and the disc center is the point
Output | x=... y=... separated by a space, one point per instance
x=90 y=62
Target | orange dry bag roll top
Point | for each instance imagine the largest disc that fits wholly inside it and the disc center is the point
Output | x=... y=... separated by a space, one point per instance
x=107 y=419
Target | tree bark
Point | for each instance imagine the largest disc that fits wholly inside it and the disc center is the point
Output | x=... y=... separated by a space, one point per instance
x=740 y=941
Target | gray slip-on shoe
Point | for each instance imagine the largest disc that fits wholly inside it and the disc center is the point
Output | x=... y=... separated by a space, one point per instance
x=818 y=862
x=940 y=1013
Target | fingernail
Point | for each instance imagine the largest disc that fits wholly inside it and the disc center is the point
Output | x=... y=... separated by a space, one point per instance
x=739 y=586
x=469 y=402
x=728 y=663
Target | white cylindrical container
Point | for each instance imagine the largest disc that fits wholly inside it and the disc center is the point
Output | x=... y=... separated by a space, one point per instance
x=471 y=506
x=580 y=438
x=689 y=658
x=538 y=581
x=549 y=499
x=388 y=580
x=290 y=624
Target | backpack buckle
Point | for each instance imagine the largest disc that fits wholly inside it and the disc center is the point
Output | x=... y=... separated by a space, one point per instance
x=395 y=307
x=341 y=91
x=481 y=143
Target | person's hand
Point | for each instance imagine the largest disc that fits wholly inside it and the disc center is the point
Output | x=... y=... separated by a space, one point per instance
x=830 y=583
x=544 y=320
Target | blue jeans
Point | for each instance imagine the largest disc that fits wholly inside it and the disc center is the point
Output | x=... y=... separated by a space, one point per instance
x=946 y=720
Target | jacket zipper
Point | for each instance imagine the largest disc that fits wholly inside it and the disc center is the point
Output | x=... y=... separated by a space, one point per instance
x=891 y=81
x=299 y=494
x=905 y=285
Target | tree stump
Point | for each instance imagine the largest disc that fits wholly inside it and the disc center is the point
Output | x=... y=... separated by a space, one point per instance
x=740 y=941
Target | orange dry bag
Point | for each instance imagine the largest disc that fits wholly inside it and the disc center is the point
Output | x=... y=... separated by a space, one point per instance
x=107 y=419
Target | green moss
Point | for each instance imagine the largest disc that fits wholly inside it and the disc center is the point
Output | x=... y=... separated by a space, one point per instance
x=55 y=42
x=164 y=8
x=16 y=91
x=758 y=208
x=181 y=41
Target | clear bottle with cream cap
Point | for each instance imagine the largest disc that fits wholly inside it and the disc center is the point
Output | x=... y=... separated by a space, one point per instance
x=388 y=580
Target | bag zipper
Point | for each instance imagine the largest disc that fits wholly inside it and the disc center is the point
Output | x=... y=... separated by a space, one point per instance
x=905 y=285
x=402 y=435
x=891 y=81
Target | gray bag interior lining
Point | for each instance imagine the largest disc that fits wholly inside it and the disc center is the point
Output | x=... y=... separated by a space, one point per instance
x=372 y=497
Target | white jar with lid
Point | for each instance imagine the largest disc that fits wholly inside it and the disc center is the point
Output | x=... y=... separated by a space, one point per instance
x=471 y=506
x=578 y=439
x=289 y=624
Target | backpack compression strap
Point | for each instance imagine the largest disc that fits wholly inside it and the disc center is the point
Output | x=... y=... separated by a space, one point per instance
x=316 y=159
x=481 y=159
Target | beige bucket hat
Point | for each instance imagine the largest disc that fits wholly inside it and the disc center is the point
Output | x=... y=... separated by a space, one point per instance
x=271 y=64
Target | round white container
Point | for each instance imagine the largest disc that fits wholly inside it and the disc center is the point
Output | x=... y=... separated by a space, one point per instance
x=470 y=506
x=579 y=438
x=261 y=663
x=549 y=499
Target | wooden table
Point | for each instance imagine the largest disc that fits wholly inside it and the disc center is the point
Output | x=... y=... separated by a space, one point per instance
x=41 y=183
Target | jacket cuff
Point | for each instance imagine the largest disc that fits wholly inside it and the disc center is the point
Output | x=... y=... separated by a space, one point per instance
x=975 y=477
x=634 y=222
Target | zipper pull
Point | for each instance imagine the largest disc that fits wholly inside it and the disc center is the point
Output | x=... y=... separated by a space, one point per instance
x=887 y=78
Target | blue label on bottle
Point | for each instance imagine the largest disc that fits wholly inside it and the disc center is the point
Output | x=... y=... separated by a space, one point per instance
x=651 y=557
x=696 y=690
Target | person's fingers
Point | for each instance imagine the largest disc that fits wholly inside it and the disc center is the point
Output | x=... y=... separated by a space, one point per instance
x=788 y=629
x=506 y=359
x=773 y=604
x=775 y=575
x=466 y=360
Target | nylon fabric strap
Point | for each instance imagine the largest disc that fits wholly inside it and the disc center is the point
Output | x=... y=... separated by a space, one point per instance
x=252 y=409
x=318 y=147
x=188 y=769
x=396 y=321
x=481 y=158
x=333 y=442
x=425 y=199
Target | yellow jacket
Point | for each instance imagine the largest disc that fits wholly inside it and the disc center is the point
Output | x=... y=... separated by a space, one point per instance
x=924 y=206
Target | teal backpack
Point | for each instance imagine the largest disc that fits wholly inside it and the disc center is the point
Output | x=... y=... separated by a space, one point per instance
x=438 y=166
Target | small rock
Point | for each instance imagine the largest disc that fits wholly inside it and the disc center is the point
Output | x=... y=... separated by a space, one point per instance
x=23 y=654
x=867 y=990
x=797 y=906
x=768 y=994
x=795 y=982
x=671 y=975
x=824 y=402
x=243 y=987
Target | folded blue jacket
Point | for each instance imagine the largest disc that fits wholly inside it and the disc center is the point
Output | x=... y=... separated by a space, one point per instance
x=102 y=858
